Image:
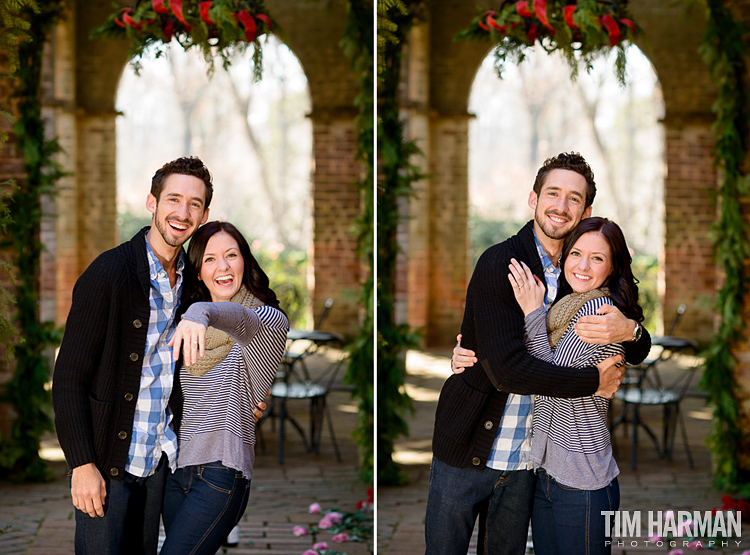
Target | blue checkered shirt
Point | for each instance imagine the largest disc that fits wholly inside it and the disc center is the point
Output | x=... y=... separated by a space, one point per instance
x=152 y=426
x=512 y=445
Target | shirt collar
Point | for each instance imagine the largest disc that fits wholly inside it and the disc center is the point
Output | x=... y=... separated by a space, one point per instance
x=544 y=257
x=155 y=265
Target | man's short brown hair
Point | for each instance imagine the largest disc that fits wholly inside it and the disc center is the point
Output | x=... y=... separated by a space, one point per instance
x=568 y=161
x=187 y=165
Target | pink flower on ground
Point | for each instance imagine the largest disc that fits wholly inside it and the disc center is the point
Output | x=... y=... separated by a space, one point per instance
x=336 y=518
x=676 y=552
x=695 y=545
x=299 y=531
x=314 y=509
x=325 y=523
x=310 y=552
x=341 y=538
x=320 y=545
x=746 y=552
x=655 y=538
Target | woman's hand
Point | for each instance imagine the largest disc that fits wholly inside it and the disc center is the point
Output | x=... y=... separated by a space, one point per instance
x=193 y=336
x=528 y=289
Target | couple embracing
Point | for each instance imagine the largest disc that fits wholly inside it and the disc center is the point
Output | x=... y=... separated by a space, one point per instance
x=143 y=434
x=521 y=427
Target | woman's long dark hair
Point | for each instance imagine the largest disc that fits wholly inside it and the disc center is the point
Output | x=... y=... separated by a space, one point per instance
x=622 y=284
x=254 y=278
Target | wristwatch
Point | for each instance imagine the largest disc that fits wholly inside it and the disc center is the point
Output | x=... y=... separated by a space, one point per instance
x=637 y=332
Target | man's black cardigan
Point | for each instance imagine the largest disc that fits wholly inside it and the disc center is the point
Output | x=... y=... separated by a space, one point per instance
x=472 y=403
x=98 y=370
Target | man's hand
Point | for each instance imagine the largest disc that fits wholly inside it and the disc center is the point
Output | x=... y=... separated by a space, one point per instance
x=610 y=376
x=88 y=490
x=610 y=326
x=258 y=410
x=462 y=358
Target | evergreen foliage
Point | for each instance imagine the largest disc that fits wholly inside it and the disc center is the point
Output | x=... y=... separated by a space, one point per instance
x=396 y=175
x=357 y=43
x=724 y=48
x=27 y=391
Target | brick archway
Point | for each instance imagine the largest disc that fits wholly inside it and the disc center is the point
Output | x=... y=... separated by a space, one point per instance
x=82 y=77
x=438 y=77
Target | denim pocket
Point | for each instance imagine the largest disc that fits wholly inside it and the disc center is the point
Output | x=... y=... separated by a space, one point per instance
x=218 y=477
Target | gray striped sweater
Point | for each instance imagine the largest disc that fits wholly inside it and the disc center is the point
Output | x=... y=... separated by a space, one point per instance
x=217 y=419
x=570 y=436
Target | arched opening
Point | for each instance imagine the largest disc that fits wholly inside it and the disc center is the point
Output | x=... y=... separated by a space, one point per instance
x=255 y=138
x=537 y=111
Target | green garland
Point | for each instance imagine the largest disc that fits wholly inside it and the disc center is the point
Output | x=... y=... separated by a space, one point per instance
x=397 y=175
x=19 y=454
x=215 y=27
x=724 y=50
x=357 y=45
x=581 y=30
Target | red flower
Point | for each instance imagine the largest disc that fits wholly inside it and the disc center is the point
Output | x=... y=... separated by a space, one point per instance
x=159 y=7
x=613 y=30
x=628 y=23
x=531 y=33
x=265 y=19
x=176 y=6
x=568 y=15
x=204 y=7
x=540 y=8
x=522 y=7
x=249 y=23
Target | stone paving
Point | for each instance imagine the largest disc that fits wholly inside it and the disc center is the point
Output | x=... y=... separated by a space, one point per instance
x=37 y=519
x=656 y=485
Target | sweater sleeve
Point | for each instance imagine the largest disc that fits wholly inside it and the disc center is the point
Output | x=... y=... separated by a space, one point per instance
x=498 y=328
x=240 y=323
x=77 y=362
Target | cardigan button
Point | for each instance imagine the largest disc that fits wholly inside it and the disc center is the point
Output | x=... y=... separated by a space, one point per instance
x=128 y=396
x=476 y=461
x=488 y=425
x=122 y=435
x=137 y=323
x=133 y=356
x=113 y=471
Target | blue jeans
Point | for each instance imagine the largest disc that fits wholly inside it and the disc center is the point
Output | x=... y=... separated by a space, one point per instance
x=130 y=524
x=201 y=506
x=458 y=495
x=569 y=521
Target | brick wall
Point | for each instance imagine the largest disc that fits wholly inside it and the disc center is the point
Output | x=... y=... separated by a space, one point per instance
x=687 y=264
x=448 y=246
x=336 y=203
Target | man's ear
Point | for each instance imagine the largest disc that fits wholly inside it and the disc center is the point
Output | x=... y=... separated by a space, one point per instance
x=205 y=216
x=587 y=213
x=151 y=203
x=532 y=200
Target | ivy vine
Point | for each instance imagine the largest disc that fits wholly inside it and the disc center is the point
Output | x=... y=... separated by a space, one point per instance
x=724 y=50
x=395 y=179
x=19 y=453
x=357 y=45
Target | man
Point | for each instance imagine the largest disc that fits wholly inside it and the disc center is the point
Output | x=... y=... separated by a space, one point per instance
x=482 y=418
x=115 y=400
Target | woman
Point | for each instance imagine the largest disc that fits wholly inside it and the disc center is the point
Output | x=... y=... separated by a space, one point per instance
x=240 y=344
x=570 y=442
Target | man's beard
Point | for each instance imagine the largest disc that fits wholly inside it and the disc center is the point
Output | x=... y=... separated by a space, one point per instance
x=163 y=229
x=551 y=231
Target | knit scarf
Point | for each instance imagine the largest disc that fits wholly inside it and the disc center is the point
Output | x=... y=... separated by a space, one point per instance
x=562 y=312
x=218 y=343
